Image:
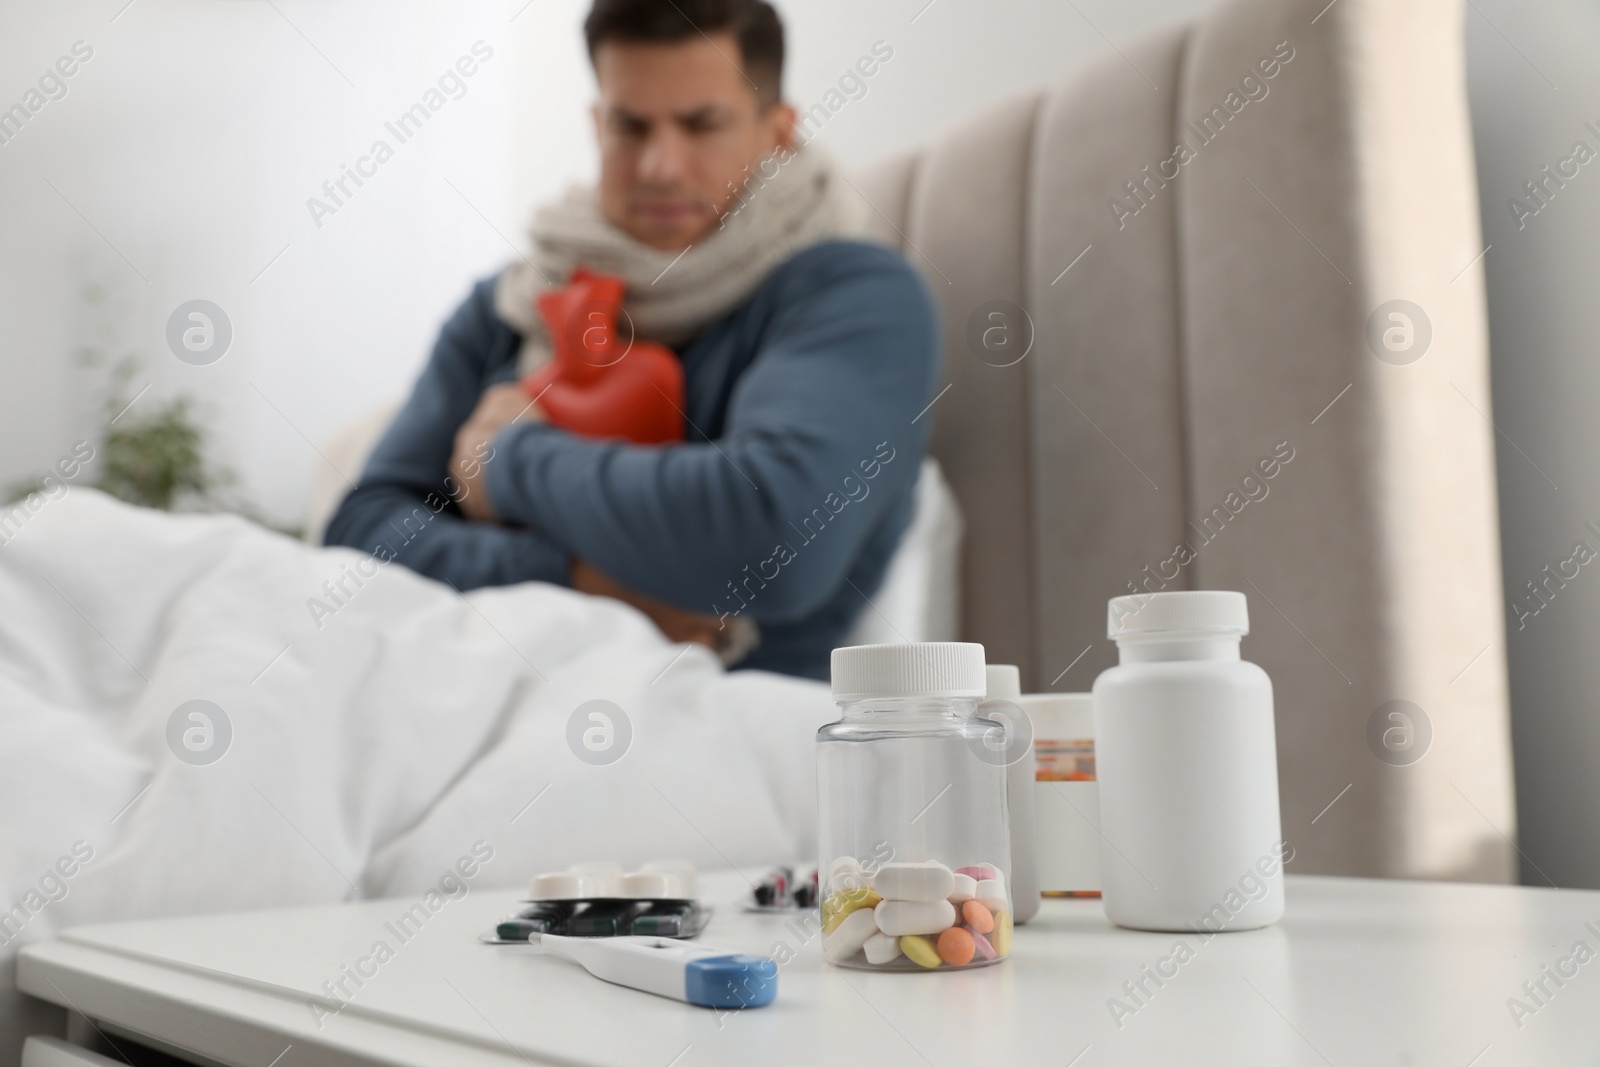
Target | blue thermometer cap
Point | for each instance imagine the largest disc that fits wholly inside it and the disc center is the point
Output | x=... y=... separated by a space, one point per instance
x=737 y=980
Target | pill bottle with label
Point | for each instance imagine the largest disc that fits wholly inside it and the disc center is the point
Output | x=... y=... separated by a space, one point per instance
x=1066 y=796
x=1188 y=768
x=913 y=838
x=1002 y=703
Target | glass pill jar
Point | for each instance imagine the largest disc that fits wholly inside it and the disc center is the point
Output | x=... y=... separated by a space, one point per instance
x=915 y=864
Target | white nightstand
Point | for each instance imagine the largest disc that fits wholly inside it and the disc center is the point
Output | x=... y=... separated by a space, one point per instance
x=1360 y=972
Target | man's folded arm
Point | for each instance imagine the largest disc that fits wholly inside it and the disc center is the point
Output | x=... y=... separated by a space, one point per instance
x=819 y=441
x=416 y=528
x=401 y=508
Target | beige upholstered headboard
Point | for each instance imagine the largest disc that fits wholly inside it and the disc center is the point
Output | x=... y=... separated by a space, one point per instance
x=1197 y=314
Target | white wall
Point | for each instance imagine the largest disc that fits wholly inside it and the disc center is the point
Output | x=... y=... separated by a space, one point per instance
x=191 y=142
x=194 y=136
x=1533 y=90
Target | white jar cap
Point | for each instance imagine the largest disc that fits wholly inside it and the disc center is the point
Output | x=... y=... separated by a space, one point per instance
x=926 y=669
x=1191 y=611
x=1003 y=681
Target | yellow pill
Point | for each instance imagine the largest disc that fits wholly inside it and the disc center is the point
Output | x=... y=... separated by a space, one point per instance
x=838 y=906
x=1001 y=938
x=920 y=950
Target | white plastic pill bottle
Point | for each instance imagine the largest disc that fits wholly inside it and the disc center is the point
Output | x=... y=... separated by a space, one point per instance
x=1066 y=795
x=914 y=846
x=1187 y=768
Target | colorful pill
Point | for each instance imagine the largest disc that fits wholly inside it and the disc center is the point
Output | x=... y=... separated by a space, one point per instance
x=1002 y=934
x=881 y=949
x=978 y=874
x=975 y=915
x=956 y=946
x=850 y=936
x=981 y=946
x=836 y=907
x=902 y=917
x=914 y=881
x=966 y=888
x=920 y=950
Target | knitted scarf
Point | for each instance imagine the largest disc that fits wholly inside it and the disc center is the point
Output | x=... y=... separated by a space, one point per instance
x=791 y=199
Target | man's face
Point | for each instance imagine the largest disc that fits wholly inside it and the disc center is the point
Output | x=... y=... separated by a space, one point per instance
x=678 y=124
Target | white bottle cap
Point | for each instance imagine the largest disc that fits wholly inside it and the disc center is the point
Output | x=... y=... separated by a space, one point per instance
x=927 y=669
x=1059 y=716
x=1192 y=611
x=1004 y=682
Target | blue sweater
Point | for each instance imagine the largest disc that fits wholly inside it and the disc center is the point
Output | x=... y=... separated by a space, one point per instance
x=784 y=503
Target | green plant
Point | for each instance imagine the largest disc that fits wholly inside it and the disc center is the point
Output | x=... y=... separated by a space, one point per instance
x=156 y=458
x=152 y=453
x=152 y=461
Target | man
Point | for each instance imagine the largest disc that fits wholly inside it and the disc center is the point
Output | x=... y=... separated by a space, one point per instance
x=806 y=358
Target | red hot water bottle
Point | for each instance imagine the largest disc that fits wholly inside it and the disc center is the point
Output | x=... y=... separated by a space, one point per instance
x=597 y=384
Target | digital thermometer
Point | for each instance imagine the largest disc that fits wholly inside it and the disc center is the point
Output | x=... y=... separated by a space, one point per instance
x=709 y=977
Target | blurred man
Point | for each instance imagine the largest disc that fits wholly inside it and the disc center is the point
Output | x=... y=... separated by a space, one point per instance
x=806 y=356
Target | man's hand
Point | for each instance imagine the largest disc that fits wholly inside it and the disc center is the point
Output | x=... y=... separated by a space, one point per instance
x=676 y=623
x=498 y=407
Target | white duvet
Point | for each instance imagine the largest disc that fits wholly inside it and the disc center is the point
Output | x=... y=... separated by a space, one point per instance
x=379 y=734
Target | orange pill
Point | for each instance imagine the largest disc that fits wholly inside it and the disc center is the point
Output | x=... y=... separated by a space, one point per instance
x=977 y=916
x=956 y=946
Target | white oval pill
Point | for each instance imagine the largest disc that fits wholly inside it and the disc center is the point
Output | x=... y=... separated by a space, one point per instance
x=849 y=936
x=655 y=885
x=992 y=891
x=681 y=869
x=565 y=885
x=881 y=949
x=845 y=874
x=914 y=881
x=966 y=888
x=901 y=917
x=604 y=868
